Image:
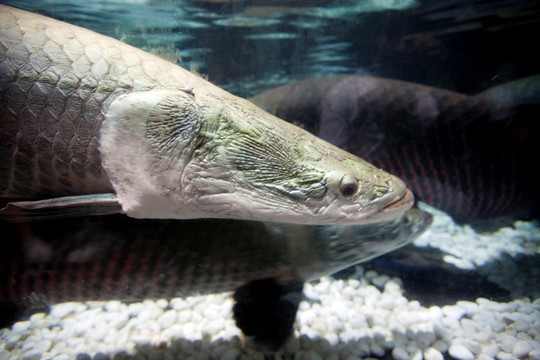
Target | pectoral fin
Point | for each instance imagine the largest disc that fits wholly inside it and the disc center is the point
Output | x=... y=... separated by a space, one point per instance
x=266 y=309
x=69 y=206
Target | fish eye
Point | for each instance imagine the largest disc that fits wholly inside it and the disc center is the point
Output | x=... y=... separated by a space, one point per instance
x=348 y=185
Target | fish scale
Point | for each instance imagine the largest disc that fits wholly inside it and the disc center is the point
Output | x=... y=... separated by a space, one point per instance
x=78 y=89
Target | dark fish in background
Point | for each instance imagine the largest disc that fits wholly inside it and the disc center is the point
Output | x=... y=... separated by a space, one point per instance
x=524 y=91
x=115 y=257
x=466 y=155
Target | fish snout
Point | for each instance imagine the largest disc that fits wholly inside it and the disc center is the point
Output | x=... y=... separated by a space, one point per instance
x=396 y=207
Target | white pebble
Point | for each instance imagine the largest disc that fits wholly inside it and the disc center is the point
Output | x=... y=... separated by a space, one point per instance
x=387 y=302
x=535 y=354
x=332 y=338
x=498 y=326
x=435 y=313
x=522 y=348
x=380 y=333
x=114 y=305
x=484 y=357
x=167 y=319
x=393 y=286
x=135 y=308
x=490 y=350
x=399 y=353
x=519 y=317
x=20 y=326
x=211 y=312
x=490 y=305
x=370 y=274
x=469 y=327
x=184 y=316
x=460 y=352
x=304 y=306
x=451 y=325
x=460 y=263
x=340 y=311
x=505 y=356
x=62 y=310
x=178 y=304
x=65 y=357
x=471 y=345
x=417 y=355
x=425 y=339
x=322 y=287
x=380 y=281
x=162 y=303
x=441 y=346
x=432 y=354
x=506 y=342
x=406 y=319
x=12 y=341
x=118 y=320
x=483 y=336
x=230 y=354
x=469 y=306
x=376 y=350
x=453 y=311
x=31 y=355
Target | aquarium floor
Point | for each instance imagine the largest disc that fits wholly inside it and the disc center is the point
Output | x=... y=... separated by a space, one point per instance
x=453 y=294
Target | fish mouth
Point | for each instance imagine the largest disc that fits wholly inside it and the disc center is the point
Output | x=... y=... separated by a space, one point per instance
x=395 y=208
x=404 y=203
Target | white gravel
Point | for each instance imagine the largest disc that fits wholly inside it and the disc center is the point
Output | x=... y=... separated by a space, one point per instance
x=362 y=317
x=496 y=255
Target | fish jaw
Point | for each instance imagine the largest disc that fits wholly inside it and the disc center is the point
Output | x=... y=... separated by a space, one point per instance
x=394 y=208
x=324 y=250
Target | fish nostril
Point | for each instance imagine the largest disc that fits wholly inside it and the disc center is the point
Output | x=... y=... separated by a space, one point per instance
x=382 y=190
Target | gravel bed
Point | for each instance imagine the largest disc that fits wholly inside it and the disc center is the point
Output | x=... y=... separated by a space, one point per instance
x=508 y=257
x=365 y=316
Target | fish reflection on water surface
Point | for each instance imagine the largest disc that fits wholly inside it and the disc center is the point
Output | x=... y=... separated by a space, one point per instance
x=115 y=257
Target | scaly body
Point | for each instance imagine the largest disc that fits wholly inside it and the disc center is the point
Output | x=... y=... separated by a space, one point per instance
x=86 y=115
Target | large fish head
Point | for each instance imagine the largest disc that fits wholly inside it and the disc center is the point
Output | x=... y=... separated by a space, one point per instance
x=204 y=154
x=252 y=165
x=323 y=250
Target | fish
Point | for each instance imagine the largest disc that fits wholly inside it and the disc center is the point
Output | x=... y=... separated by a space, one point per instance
x=114 y=257
x=466 y=155
x=523 y=91
x=91 y=125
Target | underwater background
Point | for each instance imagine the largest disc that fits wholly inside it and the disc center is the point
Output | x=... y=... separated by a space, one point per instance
x=418 y=74
x=250 y=46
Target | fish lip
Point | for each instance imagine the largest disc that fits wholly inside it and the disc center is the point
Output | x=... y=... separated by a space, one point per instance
x=395 y=208
x=400 y=205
